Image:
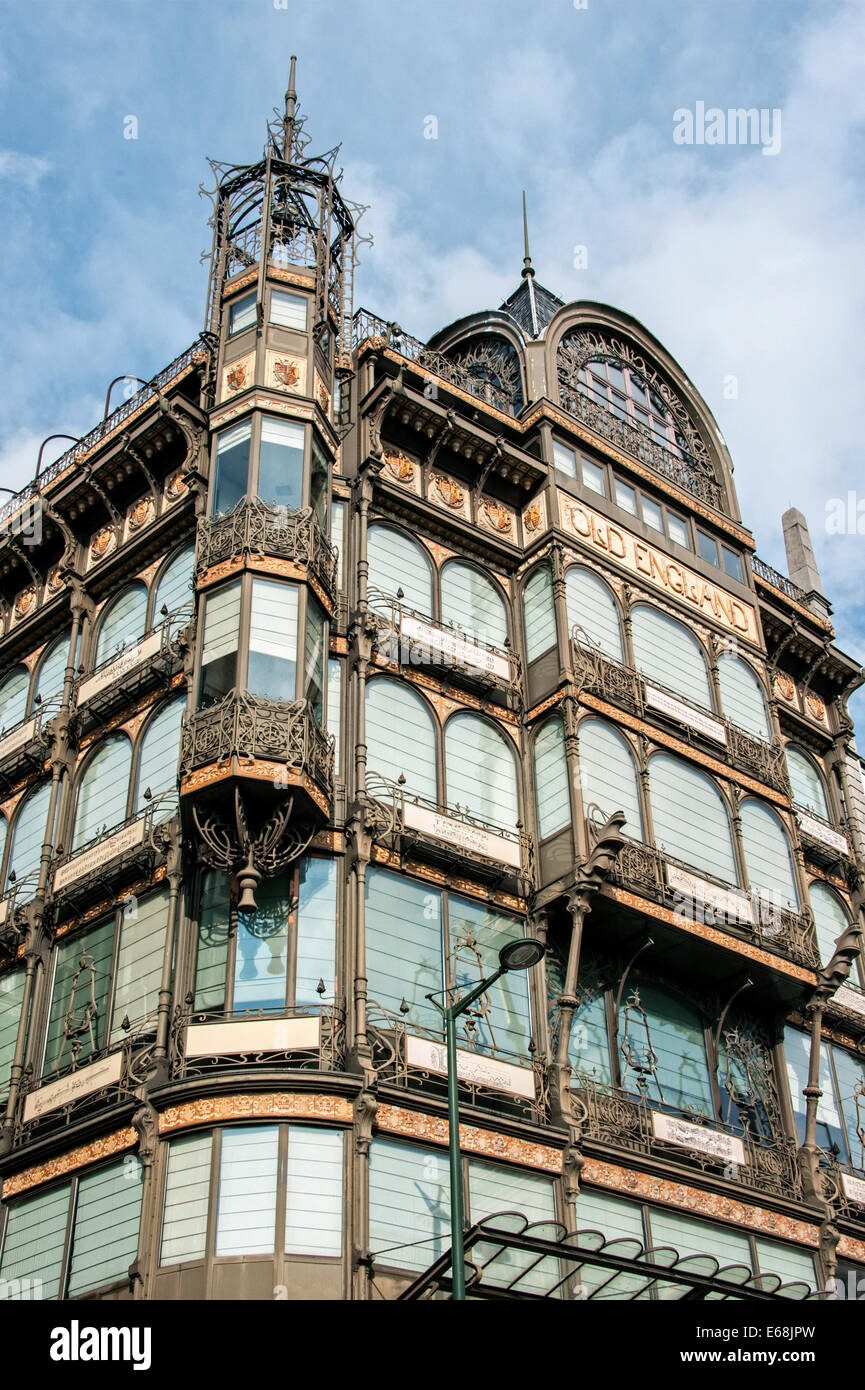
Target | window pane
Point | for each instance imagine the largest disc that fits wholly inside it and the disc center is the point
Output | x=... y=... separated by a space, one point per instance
x=742 y=696
x=691 y=819
x=403 y=946
x=733 y=564
x=589 y=1048
x=33 y=1242
x=28 y=835
x=830 y=1128
x=480 y=770
x=652 y=514
x=319 y=476
x=261 y=959
x=476 y=935
x=593 y=476
x=106 y=1226
x=806 y=783
x=214 y=934
x=564 y=459
x=334 y=705
x=79 y=995
x=273 y=640
x=494 y=1189
x=626 y=497
x=246 y=1215
x=662 y=1043
x=232 y=467
x=187 y=1187
x=52 y=669
x=395 y=562
x=666 y=652
x=400 y=737
x=708 y=547
x=123 y=623
x=472 y=602
x=158 y=758
x=313 y=1202
x=677 y=530
x=768 y=858
x=288 y=310
x=699 y=1238
x=314 y=656
x=830 y=919
x=139 y=964
x=616 y=1220
x=174 y=588
x=409 y=1205
x=592 y=608
x=280 y=463
x=337 y=536
x=316 y=930
x=104 y=791
x=551 y=779
x=850 y=1073
x=792 y=1265
x=219 y=643
x=11 y=999
x=241 y=314
x=608 y=774
x=540 y=614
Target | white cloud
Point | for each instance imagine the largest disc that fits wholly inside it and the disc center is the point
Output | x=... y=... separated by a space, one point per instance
x=26 y=169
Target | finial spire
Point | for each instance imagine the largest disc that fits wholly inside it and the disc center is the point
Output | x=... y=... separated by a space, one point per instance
x=290 y=107
x=528 y=268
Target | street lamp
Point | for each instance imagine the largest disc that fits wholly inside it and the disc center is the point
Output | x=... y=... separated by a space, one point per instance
x=517 y=955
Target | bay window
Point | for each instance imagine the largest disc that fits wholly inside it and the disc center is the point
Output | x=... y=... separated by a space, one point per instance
x=265 y=457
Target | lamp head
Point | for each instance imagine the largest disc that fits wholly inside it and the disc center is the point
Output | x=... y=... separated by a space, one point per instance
x=523 y=954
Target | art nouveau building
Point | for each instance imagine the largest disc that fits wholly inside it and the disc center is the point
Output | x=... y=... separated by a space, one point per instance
x=332 y=662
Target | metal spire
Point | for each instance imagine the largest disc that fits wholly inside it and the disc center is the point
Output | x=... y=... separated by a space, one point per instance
x=528 y=268
x=290 y=107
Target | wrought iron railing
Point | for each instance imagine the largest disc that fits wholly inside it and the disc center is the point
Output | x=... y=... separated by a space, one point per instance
x=609 y=1115
x=141 y=652
x=199 y=351
x=626 y=687
x=778 y=580
x=447 y=645
x=136 y=844
x=136 y=1061
x=325 y=1053
x=248 y=726
x=483 y=386
x=254 y=527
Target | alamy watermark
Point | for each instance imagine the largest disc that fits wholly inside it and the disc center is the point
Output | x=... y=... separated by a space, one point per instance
x=845 y=516
x=738 y=125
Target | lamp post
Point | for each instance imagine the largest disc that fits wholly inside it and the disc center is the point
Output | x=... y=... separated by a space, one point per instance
x=517 y=955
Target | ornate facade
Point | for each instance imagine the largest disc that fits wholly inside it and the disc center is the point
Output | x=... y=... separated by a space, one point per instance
x=333 y=661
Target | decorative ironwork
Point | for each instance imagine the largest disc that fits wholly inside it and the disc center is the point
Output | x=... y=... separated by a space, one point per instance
x=153 y=659
x=27 y=748
x=327 y=1054
x=489 y=372
x=687 y=464
x=276 y=844
x=778 y=580
x=247 y=726
x=95 y=880
x=625 y=687
x=253 y=527
x=450 y=647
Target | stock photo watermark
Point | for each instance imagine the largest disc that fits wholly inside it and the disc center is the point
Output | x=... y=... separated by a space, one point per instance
x=736 y=126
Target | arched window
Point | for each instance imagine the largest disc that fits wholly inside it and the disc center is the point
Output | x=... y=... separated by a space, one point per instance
x=396 y=562
x=158 y=756
x=539 y=612
x=830 y=919
x=742 y=698
x=400 y=737
x=52 y=669
x=806 y=783
x=472 y=602
x=13 y=697
x=28 y=834
x=668 y=653
x=690 y=818
x=608 y=774
x=174 y=585
x=592 y=608
x=103 y=790
x=551 y=778
x=658 y=1026
x=767 y=855
x=480 y=770
x=123 y=622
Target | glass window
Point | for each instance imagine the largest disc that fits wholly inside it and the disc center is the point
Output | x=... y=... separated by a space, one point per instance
x=219 y=643
x=742 y=698
x=594 y=612
x=174 y=586
x=280 y=463
x=400 y=737
x=540 y=613
x=158 y=757
x=794 y=1266
x=231 y=472
x=123 y=623
x=13 y=698
x=103 y=791
x=48 y=690
x=215 y=919
x=689 y=1237
x=663 y=1050
x=690 y=818
x=733 y=564
x=138 y=973
x=79 y=999
x=666 y=652
x=187 y=1190
x=494 y=1189
x=315 y=645
x=409 y=1204
x=608 y=774
x=472 y=602
x=395 y=563
x=593 y=477
x=850 y=1085
x=677 y=530
x=337 y=536
x=318 y=485
x=708 y=547
x=806 y=783
x=652 y=513
x=564 y=459
x=551 y=779
x=830 y=1127
x=589 y=1048
x=11 y=1000
x=626 y=497
x=28 y=837
x=616 y=1219
x=241 y=314
x=313 y=1207
x=316 y=930
x=107 y=1215
x=334 y=704
x=288 y=310
x=261 y=963
x=480 y=770
x=475 y=936
x=830 y=919
x=273 y=641
x=768 y=858
x=33 y=1242
x=246 y=1210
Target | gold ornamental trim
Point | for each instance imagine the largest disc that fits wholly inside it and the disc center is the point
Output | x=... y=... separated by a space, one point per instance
x=851 y=1248
x=433 y=1129
x=269 y=1105
x=451 y=882
x=645 y=1186
x=70 y=1162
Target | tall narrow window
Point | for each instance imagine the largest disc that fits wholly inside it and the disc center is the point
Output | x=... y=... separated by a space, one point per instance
x=551 y=779
x=246 y=1209
x=318 y=484
x=334 y=704
x=742 y=696
x=28 y=836
x=593 y=611
x=219 y=643
x=313 y=1205
x=539 y=613
x=79 y=997
x=404 y=926
x=806 y=783
x=11 y=1000
x=663 y=1047
x=241 y=314
x=158 y=757
x=315 y=644
x=34 y=1240
x=316 y=930
x=123 y=622
x=48 y=689
x=608 y=774
x=690 y=818
x=395 y=563
x=768 y=857
x=13 y=698
x=187 y=1191
x=830 y=919
x=472 y=602
x=409 y=1204
x=174 y=586
x=400 y=737
x=103 y=791
x=107 y=1215
x=337 y=536
x=481 y=771
x=231 y=472
x=138 y=972
x=666 y=652
x=280 y=463
x=273 y=640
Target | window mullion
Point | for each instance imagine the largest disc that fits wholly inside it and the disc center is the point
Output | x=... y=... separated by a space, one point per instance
x=70 y=1238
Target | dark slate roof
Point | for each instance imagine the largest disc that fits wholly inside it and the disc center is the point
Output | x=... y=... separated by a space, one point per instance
x=532 y=307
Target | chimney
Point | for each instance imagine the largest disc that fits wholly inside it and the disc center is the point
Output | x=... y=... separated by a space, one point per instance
x=801 y=565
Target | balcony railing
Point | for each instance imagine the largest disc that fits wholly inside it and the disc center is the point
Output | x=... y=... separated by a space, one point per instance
x=630 y=690
x=610 y=1116
x=823 y=843
x=502 y=393
x=410 y=638
x=153 y=659
x=301 y=1039
x=248 y=726
x=100 y=1080
x=92 y=870
x=778 y=580
x=698 y=897
x=636 y=440
x=24 y=747
x=253 y=527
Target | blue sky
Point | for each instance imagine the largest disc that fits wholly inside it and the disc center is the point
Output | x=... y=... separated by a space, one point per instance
x=744 y=265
